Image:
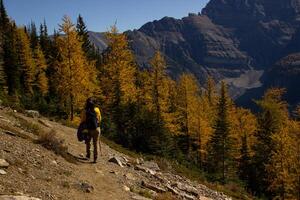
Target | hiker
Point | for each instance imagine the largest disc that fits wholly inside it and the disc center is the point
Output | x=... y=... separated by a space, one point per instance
x=91 y=117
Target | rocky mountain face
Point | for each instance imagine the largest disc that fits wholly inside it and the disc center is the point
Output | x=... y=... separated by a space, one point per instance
x=238 y=41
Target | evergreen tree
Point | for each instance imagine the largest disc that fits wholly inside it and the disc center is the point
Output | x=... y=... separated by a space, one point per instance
x=34 y=39
x=9 y=35
x=3 y=78
x=82 y=31
x=75 y=76
x=220 y=144
x=45 y=42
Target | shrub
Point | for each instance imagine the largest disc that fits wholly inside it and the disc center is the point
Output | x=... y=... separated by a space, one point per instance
x=50 y=141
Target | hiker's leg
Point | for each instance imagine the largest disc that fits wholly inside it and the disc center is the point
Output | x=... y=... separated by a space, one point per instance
x=88 y=145
x=95 y=140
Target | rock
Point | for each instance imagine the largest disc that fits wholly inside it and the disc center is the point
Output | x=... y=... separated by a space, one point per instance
x=86 y=187
x=187 y=188
x=54 y=162
x=15 y=111
x=45 y=123
x=151 y=165
x=114 y=172
x=10 y=133
x=2 y=172
x=116 y=160
x=153 y=187
x=5 y=120
x=173 y=190
x=144 y=169
x=32 y=113
x=205 y=198
x=11 y=197
x=125 y=188
x=139 y=198
x=130 y=177
x=3 y=163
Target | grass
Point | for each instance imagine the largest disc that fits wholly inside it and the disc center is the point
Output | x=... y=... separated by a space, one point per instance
x=120 y=148
x=50 y=141
x=143 y=192
x=166 y=196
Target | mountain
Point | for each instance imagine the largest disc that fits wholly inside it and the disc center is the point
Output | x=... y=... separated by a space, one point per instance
x=238 y=41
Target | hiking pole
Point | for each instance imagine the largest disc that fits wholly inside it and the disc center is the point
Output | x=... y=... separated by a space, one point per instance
x=100 y=144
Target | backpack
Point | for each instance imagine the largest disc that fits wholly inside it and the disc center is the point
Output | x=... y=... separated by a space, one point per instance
x=91 y=119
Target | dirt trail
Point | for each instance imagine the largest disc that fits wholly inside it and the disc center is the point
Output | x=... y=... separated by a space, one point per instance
x=38 y=172
x=32 y=171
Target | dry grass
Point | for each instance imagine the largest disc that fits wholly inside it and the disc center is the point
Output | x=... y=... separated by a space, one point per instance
x=166 y=196
x=50 y=141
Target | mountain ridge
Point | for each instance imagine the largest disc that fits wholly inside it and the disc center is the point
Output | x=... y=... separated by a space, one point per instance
x=227 y=40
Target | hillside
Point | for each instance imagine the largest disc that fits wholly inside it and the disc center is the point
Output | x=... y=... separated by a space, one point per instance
x=33 y=170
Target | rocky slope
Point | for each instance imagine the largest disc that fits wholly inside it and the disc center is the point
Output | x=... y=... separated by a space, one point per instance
x=29 y=171
x=230 y=39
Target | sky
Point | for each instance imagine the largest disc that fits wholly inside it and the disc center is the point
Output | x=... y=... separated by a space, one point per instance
x=99 y=15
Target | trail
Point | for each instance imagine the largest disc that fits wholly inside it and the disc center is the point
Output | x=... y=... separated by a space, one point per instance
x=38 y=172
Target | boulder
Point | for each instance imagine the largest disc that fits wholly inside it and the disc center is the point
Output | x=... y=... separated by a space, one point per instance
x=126 y=188
x=187 y=188
x=2 y=172
x=11 y=197
x=136 y=197
x=116 y=160
x=3 y=163
x=153 y=187
x=86 y=187
x=151 y=165
x=32 y=113
x=144 y=169
x=130 y=177
x=45 y=123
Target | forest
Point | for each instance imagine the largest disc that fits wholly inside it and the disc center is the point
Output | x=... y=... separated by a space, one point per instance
x=147 y=111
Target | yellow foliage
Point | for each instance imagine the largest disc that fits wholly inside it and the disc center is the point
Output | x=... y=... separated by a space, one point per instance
x=25 y=60
x=75 y=76
x=119 y=70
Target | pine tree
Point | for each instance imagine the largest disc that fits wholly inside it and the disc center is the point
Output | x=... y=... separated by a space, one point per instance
x=82 y=31
x=3 y=78
x=75 y=76
x=9 y=36
x=34 y=39
x=220 y=144
x=45 y=42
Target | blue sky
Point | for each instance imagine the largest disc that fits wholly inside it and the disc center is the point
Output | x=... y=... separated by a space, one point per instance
x=99 y=15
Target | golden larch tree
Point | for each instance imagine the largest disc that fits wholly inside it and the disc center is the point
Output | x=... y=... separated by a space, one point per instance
x=75 y=76
x=188 y=94
x=25 y=60
x=118 y=77
x=41 y=79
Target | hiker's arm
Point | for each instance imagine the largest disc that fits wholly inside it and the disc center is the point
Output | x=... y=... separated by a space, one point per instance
x=83 y=116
